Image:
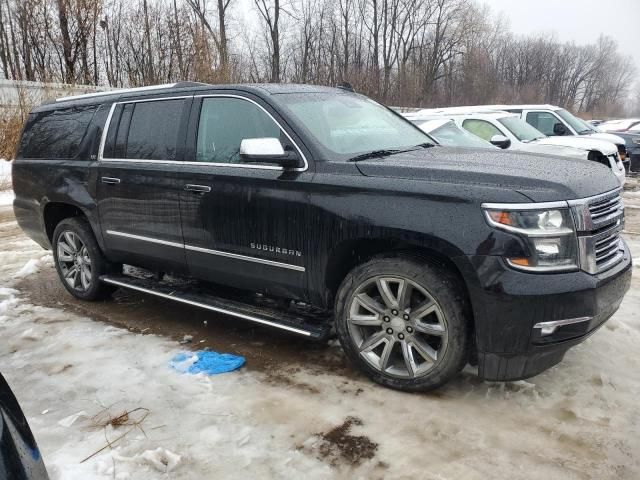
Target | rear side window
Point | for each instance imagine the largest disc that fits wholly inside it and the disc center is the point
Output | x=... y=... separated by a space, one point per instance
x=55 y=134
x=144 y=130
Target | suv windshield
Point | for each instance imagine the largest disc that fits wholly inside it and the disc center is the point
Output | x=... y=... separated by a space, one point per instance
x=575 y=123
x=347 y=124
x=521 y=129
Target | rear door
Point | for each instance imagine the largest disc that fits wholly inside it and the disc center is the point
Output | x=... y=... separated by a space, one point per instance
x=247 y=225
x=139 y=183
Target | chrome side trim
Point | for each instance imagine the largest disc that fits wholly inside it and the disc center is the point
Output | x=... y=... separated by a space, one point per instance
x=145 y=239
x=103 y=138
x=213 y=164
x=204 y=164
x=246 y=258
x=208 y=307
x=221 y=253
x=226 y=95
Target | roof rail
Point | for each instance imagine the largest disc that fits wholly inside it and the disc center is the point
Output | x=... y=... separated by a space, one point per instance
x=121 y=91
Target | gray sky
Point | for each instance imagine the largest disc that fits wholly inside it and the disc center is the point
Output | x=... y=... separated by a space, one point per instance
x=579 y=20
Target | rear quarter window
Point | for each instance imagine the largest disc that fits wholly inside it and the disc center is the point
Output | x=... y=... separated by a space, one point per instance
x=55 y=134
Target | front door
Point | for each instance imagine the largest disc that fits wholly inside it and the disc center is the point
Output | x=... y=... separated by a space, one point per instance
x=140 y=184
x=244 y=225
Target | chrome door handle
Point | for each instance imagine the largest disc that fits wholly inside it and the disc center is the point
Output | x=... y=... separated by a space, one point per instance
x=197 y=188
x=110 y=180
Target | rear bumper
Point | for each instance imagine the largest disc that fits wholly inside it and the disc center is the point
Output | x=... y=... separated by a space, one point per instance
x=509 y=307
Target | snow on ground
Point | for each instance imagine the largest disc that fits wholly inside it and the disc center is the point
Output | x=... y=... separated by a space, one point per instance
x=578 y=420
x=5 y=170
x=6 y=198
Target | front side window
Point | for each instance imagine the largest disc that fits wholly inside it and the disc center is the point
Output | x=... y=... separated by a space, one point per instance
x=346 y=124
x=574 y=122
x=481 y=128
x=543 y=121
x=153 y=130
x=225 y=122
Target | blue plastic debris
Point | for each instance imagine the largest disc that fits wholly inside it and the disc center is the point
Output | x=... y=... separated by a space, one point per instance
x=206 y=361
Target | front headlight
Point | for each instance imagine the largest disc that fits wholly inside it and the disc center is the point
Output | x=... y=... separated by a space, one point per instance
x=549 y=234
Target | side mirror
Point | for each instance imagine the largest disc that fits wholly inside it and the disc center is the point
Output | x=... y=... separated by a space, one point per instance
x=500 y=141
x=268 y=150
x=559 y=129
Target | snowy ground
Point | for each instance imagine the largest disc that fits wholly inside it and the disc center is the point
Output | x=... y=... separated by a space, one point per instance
x=303 y=414
x=5 y=181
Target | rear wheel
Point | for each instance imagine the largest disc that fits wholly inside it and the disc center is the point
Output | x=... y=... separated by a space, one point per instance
x=79 y=260
x=404 y=323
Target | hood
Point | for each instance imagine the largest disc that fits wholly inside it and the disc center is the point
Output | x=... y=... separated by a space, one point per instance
x=584 y=142
x=610 y=137
x=551 y=149
x=540 y=178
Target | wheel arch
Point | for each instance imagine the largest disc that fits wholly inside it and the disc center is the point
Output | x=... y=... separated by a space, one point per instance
x=53 y=212
x=348 y=254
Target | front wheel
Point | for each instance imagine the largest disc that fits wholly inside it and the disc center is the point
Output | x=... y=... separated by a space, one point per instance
x=79 y=260
x=404 y=323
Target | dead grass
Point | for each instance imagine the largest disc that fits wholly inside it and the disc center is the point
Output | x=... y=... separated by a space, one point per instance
x=10 y=128
x=132 y=419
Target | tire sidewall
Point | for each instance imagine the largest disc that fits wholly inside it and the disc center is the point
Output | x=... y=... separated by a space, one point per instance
x=83 y=231
x=443 y=287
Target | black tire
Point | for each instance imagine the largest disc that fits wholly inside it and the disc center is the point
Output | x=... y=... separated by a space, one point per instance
x=96 y=290
x=451 y=320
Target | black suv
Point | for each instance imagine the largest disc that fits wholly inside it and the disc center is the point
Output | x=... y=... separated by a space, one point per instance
x=317 y=210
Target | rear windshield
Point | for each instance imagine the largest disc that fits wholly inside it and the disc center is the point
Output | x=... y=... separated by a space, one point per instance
x=55 y=134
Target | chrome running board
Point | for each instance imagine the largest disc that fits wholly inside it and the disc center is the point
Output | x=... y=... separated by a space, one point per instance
x=313 y=326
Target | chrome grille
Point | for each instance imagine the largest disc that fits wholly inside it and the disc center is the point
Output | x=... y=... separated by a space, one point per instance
x=599 y=221
x=605 y=208
x=607 y=249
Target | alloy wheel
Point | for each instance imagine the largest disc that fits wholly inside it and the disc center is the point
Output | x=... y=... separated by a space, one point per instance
x=397 y=326
x=74 y=261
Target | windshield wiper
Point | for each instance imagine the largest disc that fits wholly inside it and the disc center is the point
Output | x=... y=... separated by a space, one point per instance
x=374 y=154
x=388 y=151
x=423 y=145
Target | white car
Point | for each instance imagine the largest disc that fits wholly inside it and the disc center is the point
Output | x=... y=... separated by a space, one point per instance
x=555 y=121
x=508 y=130
x=549 y=119
x=618 y=125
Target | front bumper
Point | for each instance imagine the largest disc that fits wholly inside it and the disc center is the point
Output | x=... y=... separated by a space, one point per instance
x=508 y=305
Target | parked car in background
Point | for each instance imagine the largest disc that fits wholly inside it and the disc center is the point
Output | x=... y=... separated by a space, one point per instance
x=616 y=126
x=343 y=216
x=509 y=131
x=20 y=458
x=631 y=138
x=555 y=121
x=447 y=132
